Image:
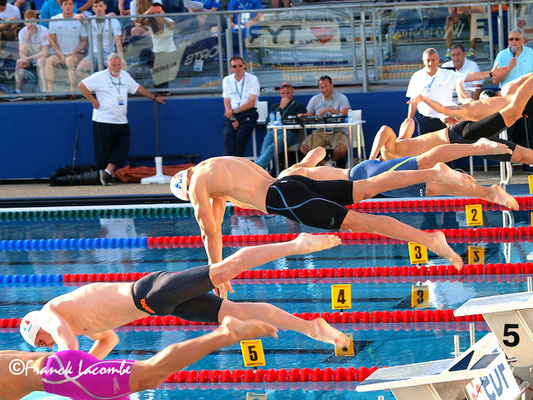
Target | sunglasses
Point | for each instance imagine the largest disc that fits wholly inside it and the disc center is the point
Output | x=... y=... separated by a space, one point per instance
x=237 y=66
x=513 y=38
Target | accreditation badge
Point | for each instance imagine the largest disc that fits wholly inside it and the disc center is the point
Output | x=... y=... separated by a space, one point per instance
x=121 y=101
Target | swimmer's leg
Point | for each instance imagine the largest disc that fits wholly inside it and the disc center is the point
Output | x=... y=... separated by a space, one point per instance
x=450 y=152
x=494 y=193
x=392 y=228
x=384 y=138
x=390 y=180
x=250 y=257
x=317 y=329
x=513 y=112
x=522 y=155
x=150 y=373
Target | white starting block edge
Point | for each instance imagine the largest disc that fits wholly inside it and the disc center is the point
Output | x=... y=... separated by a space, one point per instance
x=496 y=304
x=462 y=369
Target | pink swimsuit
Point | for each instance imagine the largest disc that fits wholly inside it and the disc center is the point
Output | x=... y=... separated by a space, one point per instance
x=81 y=376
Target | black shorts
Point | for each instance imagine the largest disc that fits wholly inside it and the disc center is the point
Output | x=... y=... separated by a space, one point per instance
x=470 y=132
x=473 y=131
x=315 y=203
x=183 y=294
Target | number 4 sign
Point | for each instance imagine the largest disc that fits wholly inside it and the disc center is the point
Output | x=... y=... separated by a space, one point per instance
x=341 y=297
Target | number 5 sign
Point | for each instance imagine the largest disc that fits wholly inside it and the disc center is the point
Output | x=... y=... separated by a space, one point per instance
x=252 y=353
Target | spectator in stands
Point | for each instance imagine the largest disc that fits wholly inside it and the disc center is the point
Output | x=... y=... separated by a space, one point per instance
x=287 y=107
x=22 y=5
x=437 y=84
x=519 y=59
x=161 y=29
x=68 y=40
x=240 y=91
x=33 y=50
x=107 y=31
x=51 y=8
x=111 y=131
x=8 y=12
x=454 y=17
x=327 y=103
x=201 y=6
x=460 y=64
x=247 y=20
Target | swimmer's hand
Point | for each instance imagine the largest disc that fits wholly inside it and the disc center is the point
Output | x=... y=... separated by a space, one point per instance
x=415 y=100
x=222 y=290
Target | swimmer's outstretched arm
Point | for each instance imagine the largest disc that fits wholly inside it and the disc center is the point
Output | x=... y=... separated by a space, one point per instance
x=456 y=112
x=104 y=342
x=151 y=373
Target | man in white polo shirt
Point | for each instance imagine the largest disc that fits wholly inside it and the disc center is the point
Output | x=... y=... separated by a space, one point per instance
x=67 y=39
x=438 y=84
x=111 y=131
x=240 y=91
x=460 y=64
x=8 y=12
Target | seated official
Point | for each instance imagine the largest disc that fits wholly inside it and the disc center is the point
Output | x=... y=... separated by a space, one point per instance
x=287 y=107
x=329 y=102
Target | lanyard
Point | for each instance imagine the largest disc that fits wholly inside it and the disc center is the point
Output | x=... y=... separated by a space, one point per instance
x=284 y=111
x=431 y=83
x=242 y=87
x=117 y=86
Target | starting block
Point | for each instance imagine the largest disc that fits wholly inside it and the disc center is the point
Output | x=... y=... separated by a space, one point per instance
x=480 y=373
x=510 y=317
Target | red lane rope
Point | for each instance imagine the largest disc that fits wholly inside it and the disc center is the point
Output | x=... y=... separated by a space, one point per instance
x=452 y=235
x=273 y=375
x=355 y=317
x=304 y=273
x=525 y=203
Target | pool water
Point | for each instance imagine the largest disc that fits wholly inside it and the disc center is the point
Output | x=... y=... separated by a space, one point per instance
x=375 y=344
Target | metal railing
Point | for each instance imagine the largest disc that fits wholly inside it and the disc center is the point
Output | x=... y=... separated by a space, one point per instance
x=360 y=44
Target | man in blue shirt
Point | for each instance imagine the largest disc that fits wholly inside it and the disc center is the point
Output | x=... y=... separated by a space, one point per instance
x=246 y=19
x=520 y=59
x=517 y=56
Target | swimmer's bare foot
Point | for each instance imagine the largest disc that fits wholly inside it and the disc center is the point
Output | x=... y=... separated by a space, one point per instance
x=308 y=243
x=324 y=332
x=238 y=330
x=499 y=196
x=485 y=146
x=438 y=245
x=447 y=175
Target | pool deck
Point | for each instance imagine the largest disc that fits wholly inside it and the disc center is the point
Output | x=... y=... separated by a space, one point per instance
x=27 y=191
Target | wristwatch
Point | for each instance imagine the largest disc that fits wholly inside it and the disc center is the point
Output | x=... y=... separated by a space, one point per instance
x=233 y=119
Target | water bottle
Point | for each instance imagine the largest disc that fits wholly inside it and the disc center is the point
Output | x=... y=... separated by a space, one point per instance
x=272 y=118
x=349 y=116
x=278 y=118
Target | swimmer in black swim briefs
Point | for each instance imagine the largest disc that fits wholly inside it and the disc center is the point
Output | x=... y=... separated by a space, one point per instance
x=94 y=310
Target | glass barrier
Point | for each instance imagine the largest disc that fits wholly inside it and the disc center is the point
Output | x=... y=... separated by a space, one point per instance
x=359 y=44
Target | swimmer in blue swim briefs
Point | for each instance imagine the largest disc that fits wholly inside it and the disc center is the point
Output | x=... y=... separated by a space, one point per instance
x=81 y=376
x=443 y=153
x=387 y=146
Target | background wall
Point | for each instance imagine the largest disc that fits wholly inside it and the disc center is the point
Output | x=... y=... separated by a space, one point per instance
x=37 y=138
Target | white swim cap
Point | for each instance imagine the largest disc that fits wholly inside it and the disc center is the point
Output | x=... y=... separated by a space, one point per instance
x=29 y=327
x=178 y=185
